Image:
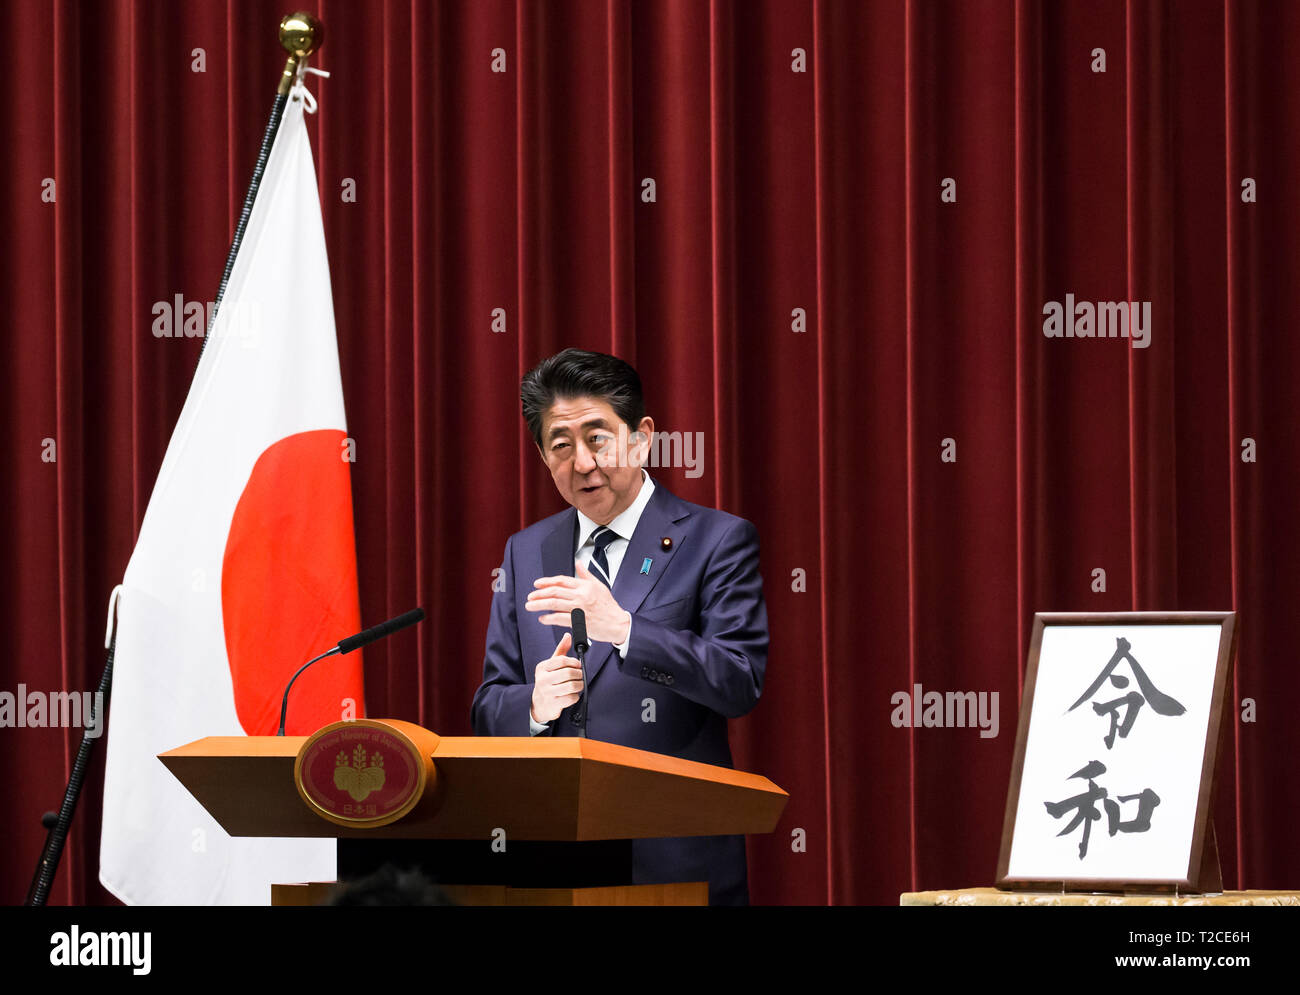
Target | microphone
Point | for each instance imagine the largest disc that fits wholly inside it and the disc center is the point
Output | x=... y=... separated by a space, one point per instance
x=348 y=645
x=381 y=630
x=578 y=622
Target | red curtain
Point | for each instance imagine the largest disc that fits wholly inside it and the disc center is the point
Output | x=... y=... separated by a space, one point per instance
x=799 y=291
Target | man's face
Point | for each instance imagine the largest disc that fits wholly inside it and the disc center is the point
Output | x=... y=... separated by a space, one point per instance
x=594 y=459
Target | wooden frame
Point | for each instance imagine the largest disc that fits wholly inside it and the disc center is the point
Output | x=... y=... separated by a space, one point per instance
x=1202 y=870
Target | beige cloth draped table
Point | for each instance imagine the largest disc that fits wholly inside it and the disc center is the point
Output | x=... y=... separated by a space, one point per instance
x=992 y=896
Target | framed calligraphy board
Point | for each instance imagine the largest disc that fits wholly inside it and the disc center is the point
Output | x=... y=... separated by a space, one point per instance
x=1113 y=774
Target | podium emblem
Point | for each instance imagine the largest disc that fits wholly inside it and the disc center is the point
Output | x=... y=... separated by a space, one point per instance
x=364 y=773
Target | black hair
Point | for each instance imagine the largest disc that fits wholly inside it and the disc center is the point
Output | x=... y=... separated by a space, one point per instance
x=389 y=885
x=576 y=373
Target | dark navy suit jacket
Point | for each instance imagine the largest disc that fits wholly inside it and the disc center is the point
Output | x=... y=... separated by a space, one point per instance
x=698 y=647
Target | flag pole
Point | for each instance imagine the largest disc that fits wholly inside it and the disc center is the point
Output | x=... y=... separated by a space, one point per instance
x=301 y=33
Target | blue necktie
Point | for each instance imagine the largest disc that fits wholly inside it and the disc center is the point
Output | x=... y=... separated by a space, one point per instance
x=599 y=563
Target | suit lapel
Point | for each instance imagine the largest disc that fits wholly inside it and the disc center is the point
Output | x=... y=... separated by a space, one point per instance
x=664 y=517
x=557 y=557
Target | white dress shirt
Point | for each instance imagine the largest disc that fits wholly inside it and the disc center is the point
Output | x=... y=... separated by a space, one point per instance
x=624 y=525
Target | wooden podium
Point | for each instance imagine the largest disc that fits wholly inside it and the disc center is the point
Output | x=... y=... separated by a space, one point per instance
x=496 y=820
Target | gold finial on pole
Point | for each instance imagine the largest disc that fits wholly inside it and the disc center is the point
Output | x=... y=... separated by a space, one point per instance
x=301 y=34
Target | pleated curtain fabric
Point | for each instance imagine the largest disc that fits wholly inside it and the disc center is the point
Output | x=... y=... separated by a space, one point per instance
x=829 y=235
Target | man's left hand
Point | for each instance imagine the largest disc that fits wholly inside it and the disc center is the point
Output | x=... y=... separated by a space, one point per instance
x=558 y=596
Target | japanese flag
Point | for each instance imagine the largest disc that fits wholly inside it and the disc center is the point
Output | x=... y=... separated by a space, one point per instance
x=245 y=566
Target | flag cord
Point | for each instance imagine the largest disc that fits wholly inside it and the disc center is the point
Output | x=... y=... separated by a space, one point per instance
x=300 y=94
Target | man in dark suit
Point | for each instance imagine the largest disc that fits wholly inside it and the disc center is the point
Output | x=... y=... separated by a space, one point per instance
x=671 y=592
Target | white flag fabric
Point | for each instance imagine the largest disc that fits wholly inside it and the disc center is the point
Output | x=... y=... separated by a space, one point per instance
x=245 y=566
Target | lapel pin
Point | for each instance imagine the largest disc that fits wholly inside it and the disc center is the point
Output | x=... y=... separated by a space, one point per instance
x=666 y=542
x=645 y=565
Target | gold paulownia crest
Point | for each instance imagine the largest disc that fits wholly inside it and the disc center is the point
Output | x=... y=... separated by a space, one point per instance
x=358 y=778
x=360 y=775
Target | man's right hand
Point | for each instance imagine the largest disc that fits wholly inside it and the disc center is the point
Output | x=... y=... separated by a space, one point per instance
x=557 y=683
